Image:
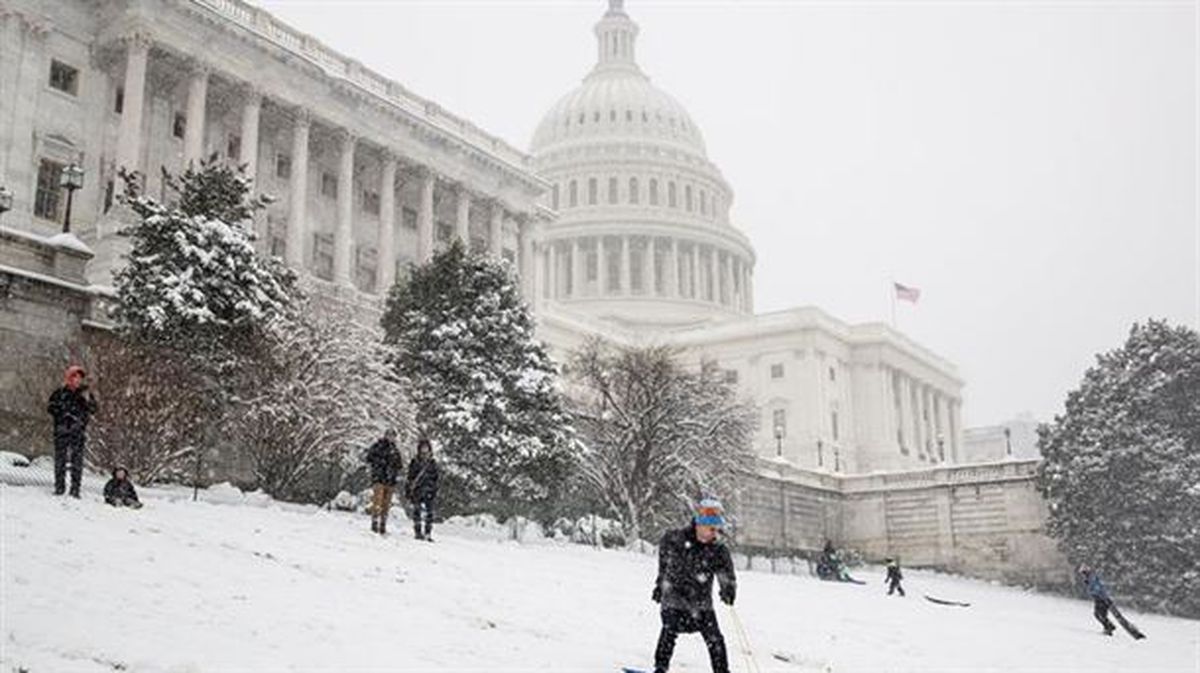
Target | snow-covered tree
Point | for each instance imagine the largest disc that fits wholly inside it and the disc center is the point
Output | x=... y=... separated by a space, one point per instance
x=657 y=435
x=193 y=273
x=1122 y=469
x=483 y=387
x=327 y=391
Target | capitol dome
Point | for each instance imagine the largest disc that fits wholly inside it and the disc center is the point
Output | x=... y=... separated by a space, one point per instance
x=642 y=235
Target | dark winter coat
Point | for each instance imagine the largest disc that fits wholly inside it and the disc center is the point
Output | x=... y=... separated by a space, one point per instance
x=1095 y=587
x=119 y=491
x=893 y=573
x=686 y=568
x=422 y=482
x=71 y=410
x=384 y=461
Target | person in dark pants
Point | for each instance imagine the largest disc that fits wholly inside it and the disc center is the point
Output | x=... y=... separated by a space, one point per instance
x=688 y=560
x=421 y=488
x=384 y=460
x=893 y=577
x=70 y=406
x=119 y=491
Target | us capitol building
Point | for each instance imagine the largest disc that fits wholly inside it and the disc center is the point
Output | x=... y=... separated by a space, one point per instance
x=615 y=220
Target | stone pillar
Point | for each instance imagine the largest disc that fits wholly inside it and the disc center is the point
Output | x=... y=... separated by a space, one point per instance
x=601 y=268
x=129 y=135
x=297 y=230
x=648 y=283
x=555 y=277
x=749 y=290
x=496 y=231
x=197 y=106
x=713 y=280
x=578 y=267
x=727 y=281
x=462 y=219
x=425 y=218
x=343 y=241
x=955 y=431
x=385 y=271
x=695 y=281
x=671 y=269
x=248 y=153
x=525 y=261
x=626 y=267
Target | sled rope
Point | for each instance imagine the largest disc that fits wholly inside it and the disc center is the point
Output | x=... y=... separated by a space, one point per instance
x=744 y=641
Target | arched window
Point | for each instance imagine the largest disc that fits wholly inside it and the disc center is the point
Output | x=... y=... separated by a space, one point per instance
x=653 y=192
x=687 y=197
x=573 y=196
x=633 y=190
x=672 y=200
x=592 y=191
x=554 y=196
x=612 y=190
x=703 y=202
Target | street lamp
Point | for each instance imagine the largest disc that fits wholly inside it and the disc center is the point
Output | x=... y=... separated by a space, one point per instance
x=820 y=453
x=941 y=439
x=70 y=180
x=778 y=440
x=6 y=200
x=1008 y=440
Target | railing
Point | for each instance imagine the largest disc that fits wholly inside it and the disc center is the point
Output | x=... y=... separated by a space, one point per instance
x=336 y=65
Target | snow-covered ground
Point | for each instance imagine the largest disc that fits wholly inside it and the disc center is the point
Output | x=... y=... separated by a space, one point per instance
x=254 y=586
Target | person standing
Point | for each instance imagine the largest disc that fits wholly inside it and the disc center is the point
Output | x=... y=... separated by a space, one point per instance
x=1102 y=603
x=71 y=406
x=893 y=577
x=688 y=560
x=385 y=462
x=421 y=488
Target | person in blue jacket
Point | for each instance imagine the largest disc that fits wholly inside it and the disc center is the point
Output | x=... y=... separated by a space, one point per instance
x=1099 y=595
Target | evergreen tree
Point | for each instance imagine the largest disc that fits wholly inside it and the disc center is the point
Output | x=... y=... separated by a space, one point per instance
x=482 y=386
x=1122 y=469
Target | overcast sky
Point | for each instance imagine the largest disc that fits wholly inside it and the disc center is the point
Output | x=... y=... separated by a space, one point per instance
x=1030 y=166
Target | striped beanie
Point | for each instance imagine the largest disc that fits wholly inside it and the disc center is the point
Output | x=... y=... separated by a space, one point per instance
x=709 y=512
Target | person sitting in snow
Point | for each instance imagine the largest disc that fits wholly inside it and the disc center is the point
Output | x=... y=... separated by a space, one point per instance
x=119 y=491
x=384 y=460
x=688 y=560
x=70 y=406
x=421 y=489
x=893 y=576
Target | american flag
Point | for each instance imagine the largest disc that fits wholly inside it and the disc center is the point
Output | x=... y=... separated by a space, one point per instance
x=905 y=293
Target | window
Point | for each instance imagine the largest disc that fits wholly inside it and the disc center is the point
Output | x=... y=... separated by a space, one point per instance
x=633 y=190
x=573 y=194
x=832 y=374
x=612 y=115
x=554 y=196
x=178 y=124
x=612 y=190
x=833 y=425
x=777 y=371
x=119 y=100
x=370 y=202
x=730 y=376
x=64 y=77
x=444 y=232
x=672 y=201
x=408 y=218
x=323 y=256
x=687 y=198
x=283 y=166
x=109 y=188
x=233 y=146
x=46 y=200
x=593 y=191
x=365 y=264
x=329 y=185
x=591 y=265
x=779 y=423
x=653 y=192
x=703 y=202
x=629 y=115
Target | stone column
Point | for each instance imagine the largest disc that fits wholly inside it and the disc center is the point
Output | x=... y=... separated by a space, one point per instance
x=713 y=280
x=727 y=281
x=626 y=267
x=129 y=135
x=695 y=281
x=525 y=261
x=197 y=106
x=578 y=266
x=425 y=218
x=749 y=290
x=343 y=241
x=648 y=267
x=555 y=277
x=297 y=230
x=496 y=231
x=601 y=268
x=671 y=268
x=462 y=219
x=385 y=272
x=248 y=153
x=955 y=428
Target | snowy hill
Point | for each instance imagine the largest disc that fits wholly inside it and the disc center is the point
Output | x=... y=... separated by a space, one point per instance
x=183 y=586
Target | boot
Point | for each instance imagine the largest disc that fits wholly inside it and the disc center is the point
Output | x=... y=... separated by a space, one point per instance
x=374 y=525
x=428 y=530
x=383 y=526
x=60 y=490
x=417 y=531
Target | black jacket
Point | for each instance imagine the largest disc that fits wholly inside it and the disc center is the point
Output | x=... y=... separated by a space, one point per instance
x=893 y=573
x=686 y=569
x=422 y=482
x=71 y=410
x=118 y=490
x=385 y=462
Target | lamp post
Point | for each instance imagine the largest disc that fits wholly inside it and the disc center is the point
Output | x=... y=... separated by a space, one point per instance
x=941 y=440
x=1008 y=441
x=778 y=440
x=70 y=180
x=6 y=200
x=820 y=453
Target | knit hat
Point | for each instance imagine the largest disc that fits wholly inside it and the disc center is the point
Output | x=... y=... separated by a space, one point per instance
x=709 y=512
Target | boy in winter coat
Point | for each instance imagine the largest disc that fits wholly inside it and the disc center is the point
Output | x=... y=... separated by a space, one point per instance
x=385 y=462
x=119 y=491
x=893 y=577
x=70 y=406
x=421 y=488
x=688 y=560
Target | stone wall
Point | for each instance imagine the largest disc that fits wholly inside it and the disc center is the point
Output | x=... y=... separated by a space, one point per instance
x=981 y=520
